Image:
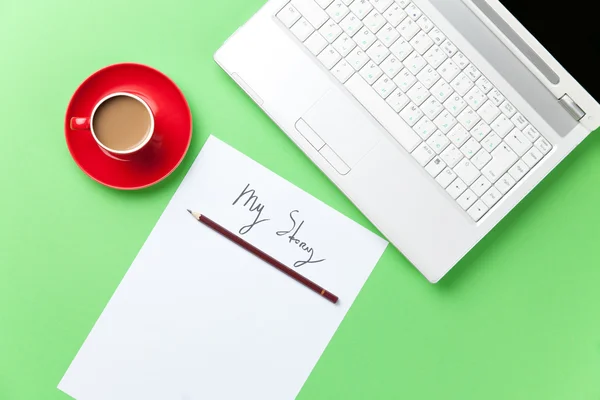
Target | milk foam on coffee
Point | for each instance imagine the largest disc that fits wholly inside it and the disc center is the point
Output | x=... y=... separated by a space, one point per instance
x=122 y=123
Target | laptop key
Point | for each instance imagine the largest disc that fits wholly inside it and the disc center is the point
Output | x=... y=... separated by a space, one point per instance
x=518 y=142
x=344 y=44
x=519 y=120
x=413 y=11
x=405 y=80
x=418 y=93
x=475 y=98
x=342 y=71
x=543 y=145
x=408 y=28
x=496 y=97
x=481 y=158
x=357 y=58
x=428 y=77
x=378 y=52
x=481 y=185
x=438 y=142
x=532 y=157
x=351 y=24
x=468 y=118
x=384 y=86
x=392 y=66
x=446 y=177
x=491 y=141
x=415 y=63
x=519 y=170
x=467 y=171
x=445 y=121
x=312 y=12
x=488 y=112
x=460 y=60
x=449 y=48
x=470 y=148
x=502 y=125
x=421 y=42
x=449 y=70
x=374 y=21
x=484 y=84
x=302 y=29
x=361 y=8
x=491 y=197
x=456 y=188
x=329 y=57
x=462 y=84
x=411 y=114
x=451 y=155
x=394 y=15
x=478 y=210
x=441 y=90
x=480 y=131
x=435 y=56
x=466 y=199
x=508 y=109
x=330 y=31
x=315 y=43
x=432 y=108
x=388 y=35
x=288 y=15
x=455 y=104
x=437 y=36
x=371 y=72
x=423 y=154
x=502 y=159
x=425 y=128
x=337 y=11
x=458 y=135
x=381 y=5
x=531 y=133
x=505 y=183
x=425 y=24
x=435 y=166
x=398 y=100
x=472 y=72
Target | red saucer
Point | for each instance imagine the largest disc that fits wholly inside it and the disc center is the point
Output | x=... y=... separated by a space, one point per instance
x=173 y=126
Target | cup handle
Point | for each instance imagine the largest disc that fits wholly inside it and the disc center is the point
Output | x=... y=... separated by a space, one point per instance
x=80 y=124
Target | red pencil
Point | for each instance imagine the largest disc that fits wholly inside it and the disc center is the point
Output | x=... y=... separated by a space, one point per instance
x=265 y=257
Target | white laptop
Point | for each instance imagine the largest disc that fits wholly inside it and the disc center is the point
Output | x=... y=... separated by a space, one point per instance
x=435 y=117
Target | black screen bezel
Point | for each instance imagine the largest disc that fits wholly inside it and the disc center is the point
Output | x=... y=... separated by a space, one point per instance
x=573 y=40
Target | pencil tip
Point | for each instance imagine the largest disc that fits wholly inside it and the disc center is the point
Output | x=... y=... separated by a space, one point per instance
x=196 y=215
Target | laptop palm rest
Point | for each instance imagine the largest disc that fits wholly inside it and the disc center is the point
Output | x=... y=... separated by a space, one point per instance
x=337 y=127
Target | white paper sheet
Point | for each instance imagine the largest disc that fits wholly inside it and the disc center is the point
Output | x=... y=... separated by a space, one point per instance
x=197 y=317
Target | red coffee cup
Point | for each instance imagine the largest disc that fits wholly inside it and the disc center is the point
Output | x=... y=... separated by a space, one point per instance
x=87 y=124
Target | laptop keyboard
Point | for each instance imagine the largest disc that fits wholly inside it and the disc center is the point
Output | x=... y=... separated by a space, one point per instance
x=403 y=70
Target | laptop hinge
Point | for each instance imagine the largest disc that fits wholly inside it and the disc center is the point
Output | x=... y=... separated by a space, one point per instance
x=572 y=107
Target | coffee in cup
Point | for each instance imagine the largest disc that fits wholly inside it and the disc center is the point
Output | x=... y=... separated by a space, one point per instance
x=121 y=123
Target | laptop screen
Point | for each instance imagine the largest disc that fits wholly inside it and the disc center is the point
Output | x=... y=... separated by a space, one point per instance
x=571 y=34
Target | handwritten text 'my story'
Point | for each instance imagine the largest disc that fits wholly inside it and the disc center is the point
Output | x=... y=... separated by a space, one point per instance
x=250 y=201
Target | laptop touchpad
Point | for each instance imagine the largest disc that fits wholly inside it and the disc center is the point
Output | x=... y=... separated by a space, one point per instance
x=343 y=126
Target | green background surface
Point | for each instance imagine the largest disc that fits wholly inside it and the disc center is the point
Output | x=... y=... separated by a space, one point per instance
x=518 y=318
